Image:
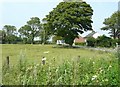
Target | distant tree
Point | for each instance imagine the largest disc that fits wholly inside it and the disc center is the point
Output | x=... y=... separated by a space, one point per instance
x=3 y=36
x=0 y=36
x=69 y=19
x=104 y=41
x=9 y=34
x=0 y=32
x=112 y=24
x=91 y=42
x=31 y=30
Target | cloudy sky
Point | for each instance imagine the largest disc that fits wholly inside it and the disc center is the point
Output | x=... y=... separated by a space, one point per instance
x=18 y=12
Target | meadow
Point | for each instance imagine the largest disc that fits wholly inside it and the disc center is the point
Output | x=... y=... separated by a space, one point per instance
x=63 y=66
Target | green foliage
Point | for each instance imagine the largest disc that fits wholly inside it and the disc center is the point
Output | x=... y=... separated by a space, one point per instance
x=101 y=41
x=104 y=41
x=68 y=19
x=31 y=30
x=9 y=34
x=81 y=44
x=112 y=24
x=91 y=42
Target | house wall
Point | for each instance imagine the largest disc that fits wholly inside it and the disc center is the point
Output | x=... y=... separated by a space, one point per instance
x=79 y=40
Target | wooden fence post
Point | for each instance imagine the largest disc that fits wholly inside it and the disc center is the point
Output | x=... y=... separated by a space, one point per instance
x=43 y=60
x=7 y=61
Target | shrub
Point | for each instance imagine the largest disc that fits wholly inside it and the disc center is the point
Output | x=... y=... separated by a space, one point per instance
x=91 y=41
x=81 y=44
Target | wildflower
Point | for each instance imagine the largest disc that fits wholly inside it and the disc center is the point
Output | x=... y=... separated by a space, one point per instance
x=101 y=70
x=110 y=66
x=93 y=62
x=106 y=80
x=29 y=68
x=94 y=77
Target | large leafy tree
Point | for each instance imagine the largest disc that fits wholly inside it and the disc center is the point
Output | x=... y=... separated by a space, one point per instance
x=9 y=33
x=31 y=30
x=112 y=24
x=69 y=19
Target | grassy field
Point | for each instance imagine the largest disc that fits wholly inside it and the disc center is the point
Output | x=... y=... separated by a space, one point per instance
x=67 y=66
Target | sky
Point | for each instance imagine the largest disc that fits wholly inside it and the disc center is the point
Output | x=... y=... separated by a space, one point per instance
x=18 y=12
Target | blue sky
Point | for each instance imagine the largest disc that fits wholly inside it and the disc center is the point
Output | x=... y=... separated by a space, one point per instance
x=18 y=13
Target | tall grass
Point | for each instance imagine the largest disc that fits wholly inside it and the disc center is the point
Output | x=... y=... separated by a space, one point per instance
x=64 y=66
x=74 y=72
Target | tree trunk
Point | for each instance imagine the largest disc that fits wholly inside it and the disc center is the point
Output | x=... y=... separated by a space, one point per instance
x=114 y=34
x=32 y=40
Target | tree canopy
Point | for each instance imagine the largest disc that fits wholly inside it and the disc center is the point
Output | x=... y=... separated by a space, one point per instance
x=31 y=29
x=69 y=19
x=9 y=34
x=112 y=24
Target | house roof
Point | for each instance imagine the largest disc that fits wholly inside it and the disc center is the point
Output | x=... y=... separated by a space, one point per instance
x=90 y=34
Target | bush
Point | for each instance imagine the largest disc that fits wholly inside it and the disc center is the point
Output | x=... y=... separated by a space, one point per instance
x=104 y=41
x=91 y=41
x=81 y=44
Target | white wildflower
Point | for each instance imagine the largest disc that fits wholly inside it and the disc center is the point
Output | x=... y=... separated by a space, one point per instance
x=101 y=70
x=93 y=62
x=110 y=66
x=94 y=77
x=106 y=80
x=29 y=68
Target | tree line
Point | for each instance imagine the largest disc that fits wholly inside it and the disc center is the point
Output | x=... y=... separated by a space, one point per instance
x=67 y=20
x=26 y=34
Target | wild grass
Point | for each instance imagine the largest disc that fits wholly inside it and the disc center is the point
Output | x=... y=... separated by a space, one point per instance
x=64 y=66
